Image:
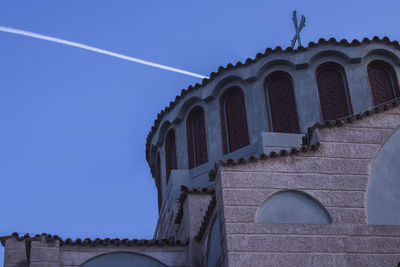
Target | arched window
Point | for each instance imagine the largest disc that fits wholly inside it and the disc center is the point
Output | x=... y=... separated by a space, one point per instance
x=158 y=181
x=170 y=153
x=333 y=92
x=235 y=133
x=281 y=105
x=383 y=82
x=196 y=137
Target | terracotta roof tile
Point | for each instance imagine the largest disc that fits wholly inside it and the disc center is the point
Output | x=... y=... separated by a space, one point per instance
x=206 y=218
x=249 y=61
x=97 y=241
x=184 y=192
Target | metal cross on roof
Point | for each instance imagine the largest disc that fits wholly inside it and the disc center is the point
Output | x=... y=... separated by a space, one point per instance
x=297 y=28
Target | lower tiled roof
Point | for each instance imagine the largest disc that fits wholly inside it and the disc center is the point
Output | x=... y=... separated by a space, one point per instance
x=97 y=241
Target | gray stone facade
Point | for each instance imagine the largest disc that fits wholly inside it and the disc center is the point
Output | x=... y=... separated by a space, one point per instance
x=326 y=196
x=338 y=175
x=301 y=66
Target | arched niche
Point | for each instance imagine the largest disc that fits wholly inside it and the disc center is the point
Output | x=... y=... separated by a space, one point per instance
x=293 y=207
x=329 y=53
x=382 y=53
x=122 y=259
x=214 y=250
x=383 y=192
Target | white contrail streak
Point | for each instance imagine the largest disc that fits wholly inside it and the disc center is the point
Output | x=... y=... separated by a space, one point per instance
x=98 y=50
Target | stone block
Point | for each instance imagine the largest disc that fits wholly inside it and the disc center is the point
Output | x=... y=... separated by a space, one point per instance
x=42 y=254
x=305 y=165
x=354 y=135
x=285 y=259
x=346 y=150
x=240 y=214
x=44 y=264
x=347 y=215
x=13 y=243
x=381 y=120
x=256 y=197
x=15 y=256
x=270 y=180
x=285 y=243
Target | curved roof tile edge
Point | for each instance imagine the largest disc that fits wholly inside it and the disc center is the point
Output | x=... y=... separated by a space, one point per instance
x=206 y=219
x=249 y=61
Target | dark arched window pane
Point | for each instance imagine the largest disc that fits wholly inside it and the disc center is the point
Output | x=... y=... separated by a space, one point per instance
x=383 y=82
x=333 y=93
x=158 y=181
x=170 y=153
x=196 y=137
x=235 y=133
x=281 y=105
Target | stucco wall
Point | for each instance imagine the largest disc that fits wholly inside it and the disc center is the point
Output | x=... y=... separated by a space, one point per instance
x=301 y=66
x=336 y=175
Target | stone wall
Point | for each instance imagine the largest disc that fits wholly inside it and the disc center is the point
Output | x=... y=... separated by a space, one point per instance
x=336 y=175
x=301 y=66
x=42 y=251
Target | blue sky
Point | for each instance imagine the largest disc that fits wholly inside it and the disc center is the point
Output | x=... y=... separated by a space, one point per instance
x=73 y=123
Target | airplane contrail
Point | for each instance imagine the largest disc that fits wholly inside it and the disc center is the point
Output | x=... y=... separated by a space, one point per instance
x=98 y=50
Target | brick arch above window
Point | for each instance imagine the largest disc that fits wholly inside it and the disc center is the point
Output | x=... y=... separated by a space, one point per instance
x=333 y=91
x=280 y=103
x=196 y=137
x=382 y=81
x=234 y=129
x=170 y=153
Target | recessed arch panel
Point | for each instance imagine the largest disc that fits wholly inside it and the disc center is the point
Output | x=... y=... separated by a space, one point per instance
x=122 y=259
x=383 y=193
x=292 y=207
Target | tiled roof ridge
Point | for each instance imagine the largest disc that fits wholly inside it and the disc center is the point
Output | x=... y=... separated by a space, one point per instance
x=184 y=192
x=98 y=241
x=308 y=145
x=206 y=218
x=249 y=61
